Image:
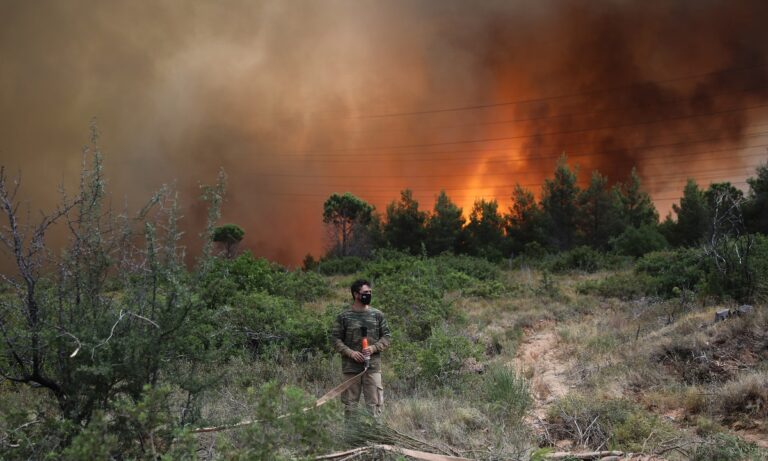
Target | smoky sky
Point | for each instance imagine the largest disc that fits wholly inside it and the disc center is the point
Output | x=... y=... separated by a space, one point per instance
x=299 y=99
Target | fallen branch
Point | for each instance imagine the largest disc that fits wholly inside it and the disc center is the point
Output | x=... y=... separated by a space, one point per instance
x=587 y=455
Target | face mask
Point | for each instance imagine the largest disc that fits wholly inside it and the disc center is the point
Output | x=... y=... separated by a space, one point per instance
x=365 y=298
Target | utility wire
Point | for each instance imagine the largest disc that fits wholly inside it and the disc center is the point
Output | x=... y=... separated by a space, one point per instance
x=563 y=96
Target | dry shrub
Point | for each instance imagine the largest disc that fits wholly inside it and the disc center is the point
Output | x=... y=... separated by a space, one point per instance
x=747 y=396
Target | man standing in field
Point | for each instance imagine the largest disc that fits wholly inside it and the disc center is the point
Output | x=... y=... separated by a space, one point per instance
x=350 y=327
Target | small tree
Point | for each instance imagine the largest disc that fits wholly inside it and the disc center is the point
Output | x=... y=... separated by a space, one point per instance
x=230 y=235
x=756 y=207
x=692 y=217
x=637 y=208
x=67 y=330
x=599 y=215
x=559 y=204
x=485 y=229
x=444 y=226
x=347 y=217
x=524 y=223
x=404 y=228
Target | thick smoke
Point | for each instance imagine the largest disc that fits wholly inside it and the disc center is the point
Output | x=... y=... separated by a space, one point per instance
x=296 y=100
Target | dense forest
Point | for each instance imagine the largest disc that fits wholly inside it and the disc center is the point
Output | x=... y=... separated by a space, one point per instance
x=117 y=346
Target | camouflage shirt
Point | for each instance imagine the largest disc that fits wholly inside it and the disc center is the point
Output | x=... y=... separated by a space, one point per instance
x=347 y=337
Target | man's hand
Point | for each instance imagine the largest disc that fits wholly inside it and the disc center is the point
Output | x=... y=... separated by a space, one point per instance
x=368 y=350
x=357 y=356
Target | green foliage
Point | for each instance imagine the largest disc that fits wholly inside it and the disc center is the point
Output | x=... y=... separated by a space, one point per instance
x=725 y=447
x=404 y=229
x=348 y=217
x=477 y=268
x=524 y=223
x=599 y=216
x=738 y=268
x=507 y=393
x=637 y=209
x=340 y=266
x=249 y=274
x=582 y=258
x=637 y=241
x=624 y=286
x=693 y=217
x=444 y=227
x=283 y=430
x=134 y=429
x=230 y=235
x=485 y=230
x=442 y=355
x=559 y=205
x=267 y=322
x=683 y=268
x=756 y=209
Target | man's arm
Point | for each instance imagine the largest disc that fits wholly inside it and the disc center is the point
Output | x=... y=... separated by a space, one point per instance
x=337 y=338
x=385 y=336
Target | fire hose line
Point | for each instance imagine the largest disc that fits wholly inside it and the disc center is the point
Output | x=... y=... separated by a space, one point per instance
x=328 y=396
x=332 y=394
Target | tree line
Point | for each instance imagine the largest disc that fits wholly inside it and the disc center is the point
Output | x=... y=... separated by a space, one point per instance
x=619 y=217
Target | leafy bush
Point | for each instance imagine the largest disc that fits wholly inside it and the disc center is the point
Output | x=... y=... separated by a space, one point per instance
x=625 y=286
x=340 y=266
x=248 y=274
x=285 y=431
x=682 y=268
x=637 y=241
x=268 y=321
x=477 y=268
x=726 y=447
x=507 y=393
x=444 y=353
x=583 y=258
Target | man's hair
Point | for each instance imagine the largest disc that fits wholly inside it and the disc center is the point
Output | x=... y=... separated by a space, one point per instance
x=357 y=285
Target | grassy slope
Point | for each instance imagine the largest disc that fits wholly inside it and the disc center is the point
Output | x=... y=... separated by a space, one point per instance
x=681 y=378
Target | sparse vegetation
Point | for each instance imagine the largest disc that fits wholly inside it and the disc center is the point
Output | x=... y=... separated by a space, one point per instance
x=116 y=349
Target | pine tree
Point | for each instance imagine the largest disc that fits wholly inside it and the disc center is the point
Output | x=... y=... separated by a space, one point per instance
x=444 y=226
x=559 y=204
x=404 y=229
x=599 y=213
x=485 y=230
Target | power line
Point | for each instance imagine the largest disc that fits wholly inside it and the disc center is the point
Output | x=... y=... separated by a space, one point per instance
x=391 y=155
x=557 y=116
x=562 y=96
x=552 y=157
x=517 y=137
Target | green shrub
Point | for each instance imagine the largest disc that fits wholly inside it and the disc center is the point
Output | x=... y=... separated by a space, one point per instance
x=267 y=321
x=726 y=447
x=584 y=259
x=340 y=266
x=284 y=430
x=625 y=286
x=636 y=241
x=507 y=393
x=477 y=268
x=682 y=268
x=443 y=354
x=246 y=274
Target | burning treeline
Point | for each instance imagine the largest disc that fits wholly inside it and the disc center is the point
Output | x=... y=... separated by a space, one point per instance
x=299 y=101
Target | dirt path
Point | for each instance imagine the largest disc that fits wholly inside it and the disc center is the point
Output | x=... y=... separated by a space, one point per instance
x=538 y=358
